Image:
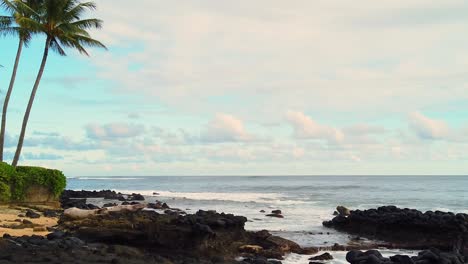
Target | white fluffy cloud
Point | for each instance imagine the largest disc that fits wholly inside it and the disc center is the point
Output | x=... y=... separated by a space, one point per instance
x=369 y=59
x=428 y=128
x=225 y=128
x=306 y=128
x=113 y=131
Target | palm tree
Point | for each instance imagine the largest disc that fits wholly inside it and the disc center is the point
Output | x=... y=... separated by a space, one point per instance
x=60 y=21
x=18 y=9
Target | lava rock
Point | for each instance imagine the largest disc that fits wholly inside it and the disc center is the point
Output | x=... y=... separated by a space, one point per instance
x=324 y=256
x=343 y=210
x=31 y=214
x=407 y=227
x=50 y=213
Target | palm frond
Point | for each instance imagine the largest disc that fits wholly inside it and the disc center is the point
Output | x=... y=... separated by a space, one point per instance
x=55 y=46
x=8 y=6
x=6 y=21
x=10 y=31
x=91 y=23
x=75 y=12
x=63 y=23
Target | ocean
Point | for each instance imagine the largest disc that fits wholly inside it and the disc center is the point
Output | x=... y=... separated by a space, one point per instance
x=305 y=201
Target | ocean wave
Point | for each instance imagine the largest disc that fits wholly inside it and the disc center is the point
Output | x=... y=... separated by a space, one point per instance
x=103 y=178
x=244 y=197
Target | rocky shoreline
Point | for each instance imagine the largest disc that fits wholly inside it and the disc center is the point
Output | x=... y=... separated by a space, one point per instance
x=132 y=231
x=407 y=228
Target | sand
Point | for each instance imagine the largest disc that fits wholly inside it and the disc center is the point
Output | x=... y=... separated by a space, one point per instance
x=8 y=215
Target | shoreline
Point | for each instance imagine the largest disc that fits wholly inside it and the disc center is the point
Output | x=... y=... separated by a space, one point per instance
x=13 y=221
x=116 y=223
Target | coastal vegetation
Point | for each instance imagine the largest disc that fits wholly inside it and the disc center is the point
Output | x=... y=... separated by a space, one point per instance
x=15 y=183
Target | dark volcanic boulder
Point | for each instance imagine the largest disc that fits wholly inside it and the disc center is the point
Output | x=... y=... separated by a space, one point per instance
x=205 y=233
x=407 y=228
x=32 y=214
x=275 y=213
x=432 y=256
x=343 y=210
x=106 y=194
x=324 y=256
x=136 y=197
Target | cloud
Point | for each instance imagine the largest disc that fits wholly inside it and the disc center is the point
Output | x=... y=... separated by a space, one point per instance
x=58 y=142
x=206 y=49
x=113 y=131
x=42 y=156
x=427 y=128
x=364 y=129
x=225 y=128
x=49 y=134
x=306 y=128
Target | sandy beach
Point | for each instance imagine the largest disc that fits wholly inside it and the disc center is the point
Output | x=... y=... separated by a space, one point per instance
x=10 y=220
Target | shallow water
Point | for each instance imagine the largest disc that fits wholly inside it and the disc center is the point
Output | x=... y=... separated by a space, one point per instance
x=305 y=201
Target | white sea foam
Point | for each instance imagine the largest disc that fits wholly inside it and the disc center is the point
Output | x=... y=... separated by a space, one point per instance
x=218 y=196
x=103 y=178
x=339 y=257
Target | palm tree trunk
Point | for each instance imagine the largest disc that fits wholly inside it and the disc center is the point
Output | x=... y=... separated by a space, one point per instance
x=30 y=103
x=7 y=97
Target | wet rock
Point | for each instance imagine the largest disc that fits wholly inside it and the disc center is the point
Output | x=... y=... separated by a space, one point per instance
x=309 y=250
x=251 y=249
x=407 y=228
x=324 y=256
x=106 y=194
x=343 y=210
x=283 y=244
x=431 y=256
x=275 y=215
x=136 y=197
x=109 y=205
x=158 y=205
x=92 y=207
x=276 y=212
x=260 y=260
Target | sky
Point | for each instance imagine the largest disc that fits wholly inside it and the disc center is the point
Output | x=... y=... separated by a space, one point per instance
x=264 y=87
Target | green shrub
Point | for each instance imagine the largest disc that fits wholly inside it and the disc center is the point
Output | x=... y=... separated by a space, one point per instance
x=29 y=176
x=15 y=182
x=6 y=172
x=4 y=192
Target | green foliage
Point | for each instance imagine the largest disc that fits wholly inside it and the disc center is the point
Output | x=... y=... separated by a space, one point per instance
x=4 y=192
x=6 y=172
x=15 y=182
x=52 y=179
